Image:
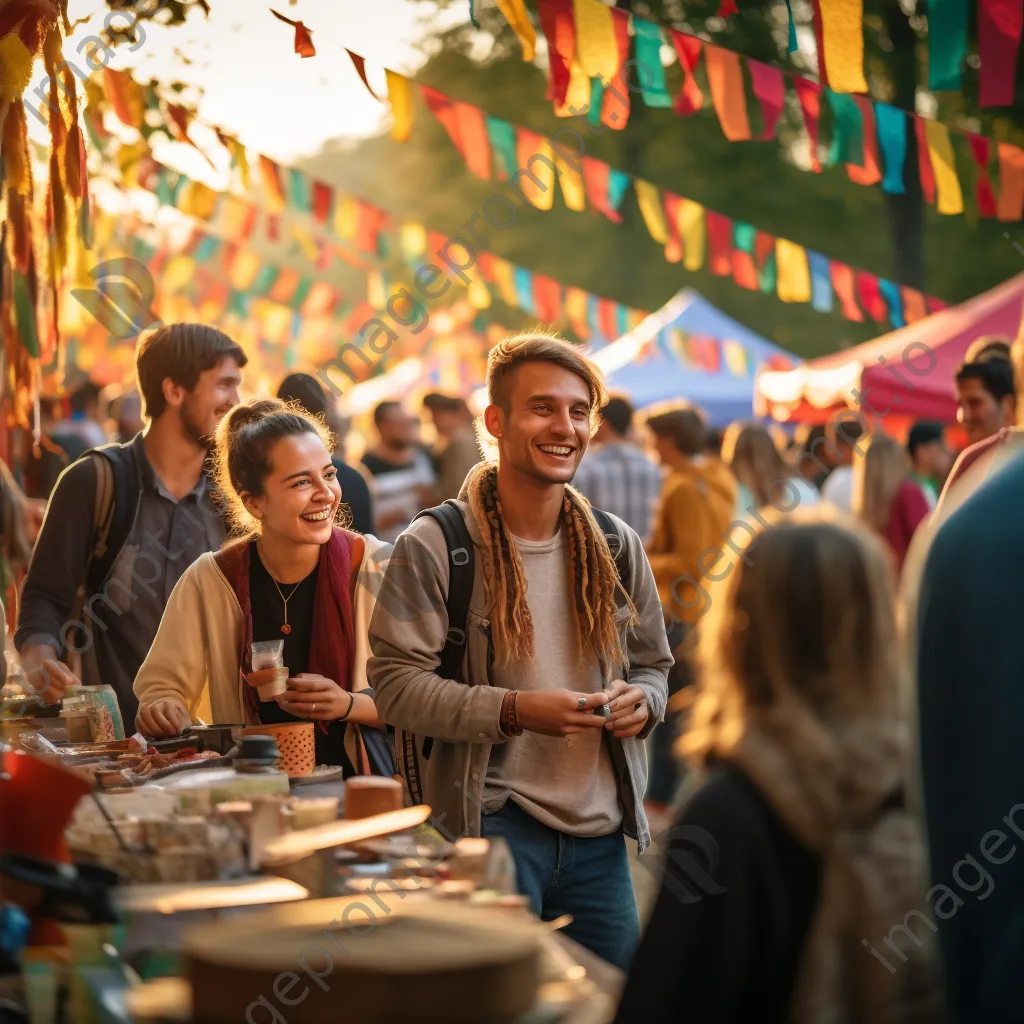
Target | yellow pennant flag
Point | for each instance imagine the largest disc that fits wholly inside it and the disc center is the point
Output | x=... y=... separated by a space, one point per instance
x=842 y=33
x=179 y=272
x=515 y=14
x=413 y=239
x=536 y=173
x=650 y=206
x=735 y=357
x=376 y=290
x=691 y=233
x=346 y=218
x=596 y=47
x=794 y=284
x=504 y=278
x=575 y=305
x=400 y=96
x=306 y=242
x=577 y=96
x=571 y=180
x=244 y=268
x=479 y=294
x=198 y=201
x=950 y=199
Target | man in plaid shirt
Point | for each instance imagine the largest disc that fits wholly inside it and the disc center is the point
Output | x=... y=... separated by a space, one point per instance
x=616 y=475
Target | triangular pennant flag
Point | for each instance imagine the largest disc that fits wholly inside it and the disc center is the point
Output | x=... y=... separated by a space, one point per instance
x=869 y=173
x=536 y=158
x=924 y=161
x=725 y=77
x=649 y=69
x=794 y=284
x=691 y=232
x=744 y=272
x=615 y=99
x=892 y=134
x=673 y=246
x=1000 y=23
x=576 y=311
x=596 y=179
x=688 y=49
x=559 y=27
x=597 y=49
x=891 y=294
x=502 y=137
x=473 y=142
x=842 y=37
x=359 y=63
x=947 y=184
x=809 y=95
x=523 y=281
x=303 y=39
x=981 y=150
x=649 y=200
x=821 y=282
x=515 y=14
x=400 y=98
x=870 y=295
x=608 y=318
x=764 y=258
x=913 y=305
x=1011 y=182
x=273 y=192
x=547 y=298
x=323 y=199
x=847 y=130
x=570 y=178
x=770 y=90
x=719 y=233
x=843 y=283
x=947 y=43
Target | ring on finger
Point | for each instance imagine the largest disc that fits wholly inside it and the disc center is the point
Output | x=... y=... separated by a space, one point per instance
x=581 y=703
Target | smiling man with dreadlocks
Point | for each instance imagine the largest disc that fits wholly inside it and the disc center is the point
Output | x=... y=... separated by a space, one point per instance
x=523 y=717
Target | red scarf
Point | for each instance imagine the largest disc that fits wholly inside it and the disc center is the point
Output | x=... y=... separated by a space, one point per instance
x=332 y=646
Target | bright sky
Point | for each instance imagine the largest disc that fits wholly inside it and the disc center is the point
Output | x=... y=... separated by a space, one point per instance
x=255 y=86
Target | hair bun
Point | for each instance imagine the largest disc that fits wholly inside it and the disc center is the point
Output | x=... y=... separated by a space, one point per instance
x=248 y=413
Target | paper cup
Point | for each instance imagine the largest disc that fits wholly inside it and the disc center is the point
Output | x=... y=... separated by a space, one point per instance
x=269 y=682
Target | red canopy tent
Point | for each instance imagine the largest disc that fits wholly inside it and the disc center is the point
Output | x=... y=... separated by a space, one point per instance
x=902 y=376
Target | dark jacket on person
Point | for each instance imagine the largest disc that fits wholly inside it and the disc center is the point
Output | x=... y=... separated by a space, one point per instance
x=970 y=693
x=724 y=941
x=355 y=492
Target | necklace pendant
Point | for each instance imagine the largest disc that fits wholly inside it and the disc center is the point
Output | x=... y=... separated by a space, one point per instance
x=286 y=628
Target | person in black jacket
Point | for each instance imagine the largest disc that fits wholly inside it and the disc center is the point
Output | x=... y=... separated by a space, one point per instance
x=355 y=491
x=101 y=598
x=791 y=870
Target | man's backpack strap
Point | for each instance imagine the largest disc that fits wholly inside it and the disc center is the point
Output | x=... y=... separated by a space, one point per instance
x=615 y=544
x=117 y=496
x=461 y=571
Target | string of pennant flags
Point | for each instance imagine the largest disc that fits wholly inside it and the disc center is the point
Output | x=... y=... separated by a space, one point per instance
x=582 y=34
x=589 y=51
x=756 y=260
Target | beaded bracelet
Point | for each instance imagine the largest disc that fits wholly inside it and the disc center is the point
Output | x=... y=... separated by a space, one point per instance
x=514 y=728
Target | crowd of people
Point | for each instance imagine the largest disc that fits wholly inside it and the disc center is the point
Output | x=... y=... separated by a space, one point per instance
x=517 y=629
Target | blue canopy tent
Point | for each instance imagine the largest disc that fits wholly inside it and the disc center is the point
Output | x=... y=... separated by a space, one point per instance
x=689 y=349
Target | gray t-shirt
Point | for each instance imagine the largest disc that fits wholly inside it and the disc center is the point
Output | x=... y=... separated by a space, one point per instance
x=567 y=783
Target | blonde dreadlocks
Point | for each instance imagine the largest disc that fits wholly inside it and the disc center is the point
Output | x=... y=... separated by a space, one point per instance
x=593 y=575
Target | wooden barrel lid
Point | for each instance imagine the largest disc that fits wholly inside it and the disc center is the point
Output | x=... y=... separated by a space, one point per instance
x=366 y=795
x=425 y=961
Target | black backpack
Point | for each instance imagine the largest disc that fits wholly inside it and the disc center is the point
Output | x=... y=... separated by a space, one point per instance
x=409 y=748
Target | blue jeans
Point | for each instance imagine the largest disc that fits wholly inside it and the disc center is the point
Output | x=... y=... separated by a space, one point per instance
x=563 y=874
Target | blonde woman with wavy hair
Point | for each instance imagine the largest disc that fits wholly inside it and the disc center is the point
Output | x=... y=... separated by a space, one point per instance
x=765 y=479
x=885 y=497
x=539 y=739
x=790 y=865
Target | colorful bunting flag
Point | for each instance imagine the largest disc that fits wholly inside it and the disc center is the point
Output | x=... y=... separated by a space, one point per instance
x=770 y=90
x=649 y=200
x=869 y=173
x=842 y=39
x=744 y=272
x=913 y=305
x=870 y=295
x=515 y=14
x=984 y=196
x=809 y=95
x=924 y=161
x=691 y=233
x=719 y=233
x=649 y=70
x=725 y=77
x=844 y=285
x=847 y=130
x=400 y=98
x=1000 y=23
x=1011 y=182
x=947 y=43
x=559 y=28
x=536 y=159
x=764 y=257
x=794 y=284
x=502 y=137
x=615 y=97
x=947 y=184
x=688 y=49
x=570 y=177
x=821 y=282
x=891 y=294
x=892 y=134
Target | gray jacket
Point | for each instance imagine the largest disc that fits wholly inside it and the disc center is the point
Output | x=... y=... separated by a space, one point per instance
x=407 y=633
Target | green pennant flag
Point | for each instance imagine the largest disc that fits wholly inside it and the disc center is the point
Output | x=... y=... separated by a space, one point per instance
x=847 y=130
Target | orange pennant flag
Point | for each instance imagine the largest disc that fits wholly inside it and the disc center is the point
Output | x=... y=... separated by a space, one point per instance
x=303 y=39
x=1011 y=182
x=271 y=176
x=519 y=20
x=125 y=96
x=725 y=76
x=536 y=161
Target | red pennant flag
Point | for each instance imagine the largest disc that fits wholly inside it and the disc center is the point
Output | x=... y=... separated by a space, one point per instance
x=870 y=296
x=273 y=227
x=819 y=37
x=770 y=90
x=688 y=49
x=728 y=9
x=936 y=305
x=615 y=102
x=473 y=142
x=559 y=28
x=1000 y=23
x=809 y=94
x=608 y=318
x=981 y=149
x=360 y=65
x=744 y=273
x=485 y=261
x=719 y=234
x=595 y=181
x=371 y=220
x=323 y=196
x=843 y=286
x=303 y=39
x=547 y=299
x=870 y=173
x=924 y=162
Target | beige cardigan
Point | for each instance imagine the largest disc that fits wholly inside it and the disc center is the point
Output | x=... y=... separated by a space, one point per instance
x=194 y=657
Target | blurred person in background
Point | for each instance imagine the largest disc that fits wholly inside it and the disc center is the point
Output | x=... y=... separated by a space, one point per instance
x=885 y=496
x=807 y=442
x=930 y=457
x=126 y=412
x=984 y=456
x=403 y=475
x=457 y=450
x=797 y=853
x=81 y=431
x=843 y=433
x=616 y=475
x=109 y=567
x=763 y=477
x=985 y=395
x=698 y=499
x=306 y=391
x=714 y=442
